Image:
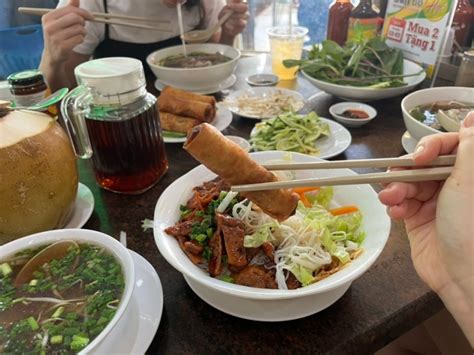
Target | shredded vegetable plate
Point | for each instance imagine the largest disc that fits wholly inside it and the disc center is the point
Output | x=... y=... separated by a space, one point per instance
x=290 y=132
x=263 y=104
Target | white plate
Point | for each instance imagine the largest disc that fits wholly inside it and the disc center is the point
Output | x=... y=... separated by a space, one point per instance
x=227 y=83
x=285 y=304
x=83 y=207
x=409 y=142
x=369 y=94
x=146 y=306
x=338 y=141
x=222 y=120
x=263 y=92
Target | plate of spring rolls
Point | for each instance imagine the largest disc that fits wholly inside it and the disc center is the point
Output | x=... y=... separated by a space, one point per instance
x=181 y=110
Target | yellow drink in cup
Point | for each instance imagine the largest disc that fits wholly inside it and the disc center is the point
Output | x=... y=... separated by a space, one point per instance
x=286 y=44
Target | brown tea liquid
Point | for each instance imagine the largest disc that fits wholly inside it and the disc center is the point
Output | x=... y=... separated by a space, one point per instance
x=128 y=155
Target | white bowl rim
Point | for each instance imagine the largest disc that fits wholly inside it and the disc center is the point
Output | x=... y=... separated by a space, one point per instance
x=217 y=45
x=257 y=293
x=241 y=141
x=93 y=237
x=406 y=110
x=372 y=112
x=369 y=89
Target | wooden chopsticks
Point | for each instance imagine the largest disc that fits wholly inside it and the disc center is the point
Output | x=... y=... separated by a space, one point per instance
x=441 y=172
x=101 y=17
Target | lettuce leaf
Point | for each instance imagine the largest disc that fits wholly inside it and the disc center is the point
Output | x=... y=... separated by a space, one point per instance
x=302 y=274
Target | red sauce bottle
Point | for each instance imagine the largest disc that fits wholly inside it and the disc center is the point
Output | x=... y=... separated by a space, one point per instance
x=462 y=22
x=339 y=13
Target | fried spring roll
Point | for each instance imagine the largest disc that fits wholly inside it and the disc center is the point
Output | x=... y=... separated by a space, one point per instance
x=174 y=123
x=225 y=158
x=185 y=95
x=195 y=109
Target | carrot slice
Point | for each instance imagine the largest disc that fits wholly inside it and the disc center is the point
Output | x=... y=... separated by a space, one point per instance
x=302 y=190
x=305 y=201
x=343 y=210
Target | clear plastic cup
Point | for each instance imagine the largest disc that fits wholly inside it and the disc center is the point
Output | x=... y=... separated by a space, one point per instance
x=286 y=44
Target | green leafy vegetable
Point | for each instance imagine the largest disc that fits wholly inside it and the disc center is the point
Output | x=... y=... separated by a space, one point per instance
x=365 y=63
x=170 y=134
x=290 y=132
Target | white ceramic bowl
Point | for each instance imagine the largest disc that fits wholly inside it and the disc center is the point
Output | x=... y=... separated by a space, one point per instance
x=336 y=111
x=416 y=128
x=266 y=304
x=370 y=94
x=194 y=79
x=87 y=236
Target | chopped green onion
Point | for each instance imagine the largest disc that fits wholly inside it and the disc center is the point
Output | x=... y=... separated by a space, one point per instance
x=33 y=283
x=78 y=342
x=5 y=269
x=227 y=278
x=56 y=339
x=33 y=323
x=58 y=312
x=201 y=238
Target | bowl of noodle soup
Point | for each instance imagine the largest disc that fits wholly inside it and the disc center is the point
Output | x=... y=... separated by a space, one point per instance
x=100 y=247
x=203 y=77
x=272 y=304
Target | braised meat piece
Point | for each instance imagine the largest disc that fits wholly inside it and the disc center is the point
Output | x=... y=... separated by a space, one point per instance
x=180 y=229
x=196 y=259
x=255 y=276
x=233 y=233
x=215 y=264
x=193 y=247
x=292 y=282
x=205 y=193
x=269 y=250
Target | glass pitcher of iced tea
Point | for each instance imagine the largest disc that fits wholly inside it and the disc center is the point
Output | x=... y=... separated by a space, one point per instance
x=111 y=118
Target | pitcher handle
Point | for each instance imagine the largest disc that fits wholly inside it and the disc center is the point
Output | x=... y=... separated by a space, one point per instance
x=74 y=109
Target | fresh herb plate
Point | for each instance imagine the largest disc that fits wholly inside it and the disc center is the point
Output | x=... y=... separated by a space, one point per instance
x=369 y=94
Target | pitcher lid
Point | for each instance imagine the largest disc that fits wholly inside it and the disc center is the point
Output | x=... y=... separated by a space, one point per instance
x=112 y=79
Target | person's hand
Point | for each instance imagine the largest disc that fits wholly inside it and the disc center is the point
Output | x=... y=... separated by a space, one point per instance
x=64 y=28
x=236 y=23
x=439 y=218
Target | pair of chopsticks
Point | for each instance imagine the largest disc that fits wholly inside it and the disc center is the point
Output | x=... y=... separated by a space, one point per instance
x=438 y=169
x=101 y=17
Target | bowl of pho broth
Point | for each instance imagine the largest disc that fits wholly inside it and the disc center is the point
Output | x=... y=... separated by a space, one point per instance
x=62 y=291
x=204 y=66
x=435 y=110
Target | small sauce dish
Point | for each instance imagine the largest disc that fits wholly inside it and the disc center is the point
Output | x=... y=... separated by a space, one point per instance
x=262 y=80
x=242 y=142
x=352 y=114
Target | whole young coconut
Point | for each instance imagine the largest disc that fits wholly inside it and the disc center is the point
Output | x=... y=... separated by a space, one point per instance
x=38 y=175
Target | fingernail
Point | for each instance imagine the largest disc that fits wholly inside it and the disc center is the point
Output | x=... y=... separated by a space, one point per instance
x=420 y=148
x=469 y=120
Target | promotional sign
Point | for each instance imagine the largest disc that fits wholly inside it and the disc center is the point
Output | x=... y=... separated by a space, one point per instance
x=418 y=27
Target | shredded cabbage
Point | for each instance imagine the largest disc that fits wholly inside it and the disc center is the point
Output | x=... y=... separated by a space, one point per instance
x=306 y=241
x=290 y=132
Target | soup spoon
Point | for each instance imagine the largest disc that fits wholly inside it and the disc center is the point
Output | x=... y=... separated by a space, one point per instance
x=201 y=36
x=56 y=250
x=39 y=106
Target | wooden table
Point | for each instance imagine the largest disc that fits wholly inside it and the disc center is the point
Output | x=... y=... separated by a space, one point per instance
x=388 y=300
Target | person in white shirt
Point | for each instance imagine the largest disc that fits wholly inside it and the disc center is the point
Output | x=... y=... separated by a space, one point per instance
x=71 y=39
